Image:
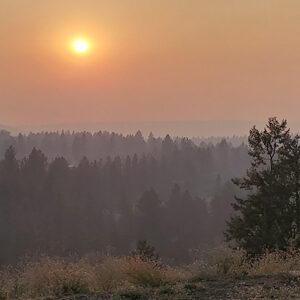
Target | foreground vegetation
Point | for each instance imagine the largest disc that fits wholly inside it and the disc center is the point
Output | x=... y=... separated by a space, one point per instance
x=231 y=276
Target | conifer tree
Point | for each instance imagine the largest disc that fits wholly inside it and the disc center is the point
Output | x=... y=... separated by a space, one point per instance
x=265 y=216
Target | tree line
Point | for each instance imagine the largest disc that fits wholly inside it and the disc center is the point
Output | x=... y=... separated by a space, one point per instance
x=99 y=145
x=177 y=197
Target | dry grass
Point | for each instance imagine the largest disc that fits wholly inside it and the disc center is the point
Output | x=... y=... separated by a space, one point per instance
x=46 y=277
x=236 y=263
x=54 y=277
x=274 y=263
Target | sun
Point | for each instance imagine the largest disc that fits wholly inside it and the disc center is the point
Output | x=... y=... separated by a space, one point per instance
x=80 y=46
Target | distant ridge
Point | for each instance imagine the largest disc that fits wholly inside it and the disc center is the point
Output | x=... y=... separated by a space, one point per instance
x=173 y=128
x=216 y=128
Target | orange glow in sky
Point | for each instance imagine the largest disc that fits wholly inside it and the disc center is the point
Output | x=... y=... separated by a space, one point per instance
x=148 y=60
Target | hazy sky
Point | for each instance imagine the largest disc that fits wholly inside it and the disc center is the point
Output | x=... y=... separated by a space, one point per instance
x=148 y=60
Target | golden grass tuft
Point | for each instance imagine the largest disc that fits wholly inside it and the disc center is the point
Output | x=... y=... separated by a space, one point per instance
x=52 y=277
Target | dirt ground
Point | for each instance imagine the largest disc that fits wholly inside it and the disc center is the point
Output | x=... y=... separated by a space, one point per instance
x=255 y=287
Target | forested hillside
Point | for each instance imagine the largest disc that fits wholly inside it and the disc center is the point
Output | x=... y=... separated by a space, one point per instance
x=62 y=193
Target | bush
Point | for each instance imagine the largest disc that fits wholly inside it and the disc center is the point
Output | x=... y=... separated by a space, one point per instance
x=145 y=252
x=273 y=263
x=144 y=273
x=54 y=276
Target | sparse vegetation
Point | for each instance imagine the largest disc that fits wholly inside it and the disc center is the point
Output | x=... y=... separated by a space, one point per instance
x=273 y=274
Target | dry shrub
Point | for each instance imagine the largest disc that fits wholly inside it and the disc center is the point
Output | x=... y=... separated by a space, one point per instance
x=109 y=274
x=270 y=263
x=141 y=272
x=275 y=263
x=216 y=261
x=177 y=274
x=54 y=276
x=235 y=264
x=145 y=273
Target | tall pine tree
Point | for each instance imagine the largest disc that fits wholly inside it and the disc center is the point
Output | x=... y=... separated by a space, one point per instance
x=265 y=217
